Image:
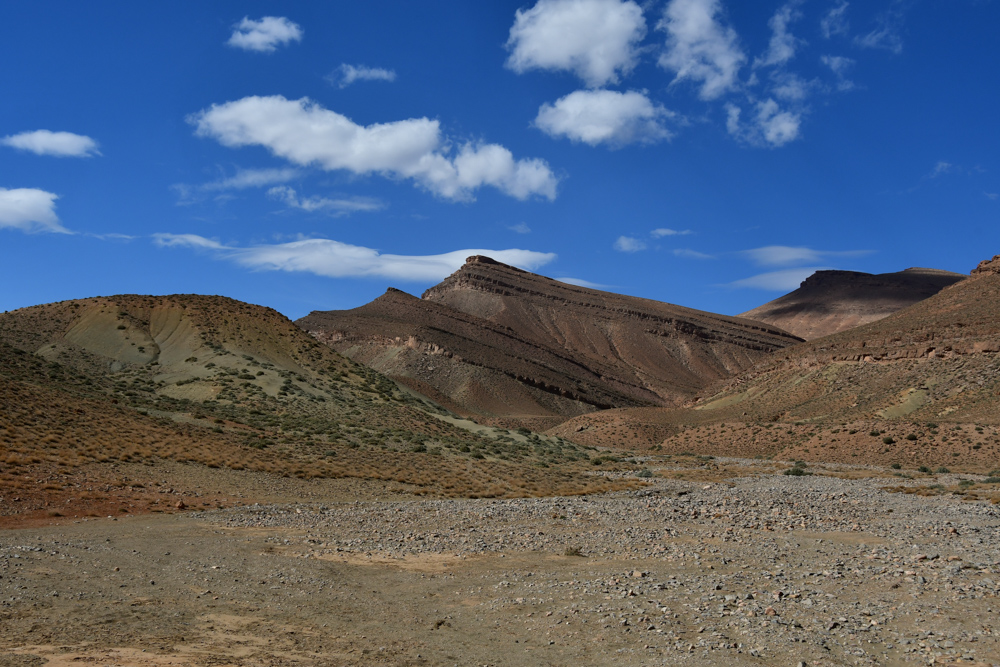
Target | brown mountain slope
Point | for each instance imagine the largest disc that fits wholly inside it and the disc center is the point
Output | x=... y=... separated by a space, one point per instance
x=219 y=383
x=496 y=340
x=832 y=301
x=465 y=360
x=919 y=386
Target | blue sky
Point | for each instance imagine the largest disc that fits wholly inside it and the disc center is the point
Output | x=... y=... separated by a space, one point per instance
x=306 y=156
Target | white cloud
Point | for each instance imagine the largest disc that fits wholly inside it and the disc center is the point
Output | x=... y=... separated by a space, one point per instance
x=579 y=282
x=58 y=144
x=333 y=259
x=700 y=48
x=663 y=231
x=335 y=207
x=769 y=126
x=346 y=74
x=778 y=281
x=834 y=22
x=604 y=116
x=29 y=210
x=595 y=39
x=887 y=33
x=840 y=65
x=993 y=196
x=306 y=134
x=252 y=178
x=264 y=35
x=940 y=168
x=629 y=244
x=691 y=254
x=790 y=87
x=780 y=255
x=520 y=228
x=781 y=49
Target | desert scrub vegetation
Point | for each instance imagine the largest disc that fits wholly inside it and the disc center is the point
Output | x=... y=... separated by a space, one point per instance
x=342 y=421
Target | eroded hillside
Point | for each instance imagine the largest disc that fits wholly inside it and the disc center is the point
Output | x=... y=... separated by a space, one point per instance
x=497 y=341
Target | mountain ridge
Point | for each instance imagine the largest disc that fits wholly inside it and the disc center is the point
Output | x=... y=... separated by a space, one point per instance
x=508 y=336
x=831 y=301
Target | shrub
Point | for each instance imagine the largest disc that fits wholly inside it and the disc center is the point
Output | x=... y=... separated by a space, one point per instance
x=911 y=436
x=572 y=551
x=888 y=440
x=924 y=469
x=991 y=480
x=796 y=472
x=942 y=469
x=895 y=466
x=874 y=434
x=644 y=473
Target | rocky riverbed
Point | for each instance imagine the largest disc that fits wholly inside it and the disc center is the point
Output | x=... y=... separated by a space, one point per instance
x=764 y=569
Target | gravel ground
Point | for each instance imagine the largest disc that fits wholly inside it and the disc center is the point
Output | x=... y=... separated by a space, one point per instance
x=762 y=570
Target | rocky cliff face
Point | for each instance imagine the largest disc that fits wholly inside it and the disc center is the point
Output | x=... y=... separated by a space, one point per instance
x=831 y=301
x=495 y=340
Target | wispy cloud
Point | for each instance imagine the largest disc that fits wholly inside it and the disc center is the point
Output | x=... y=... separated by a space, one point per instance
x=29 y=210
x=333 y=259
x=834 y=22
x=306 y=134
x=520 y=228
x=699 y=47
x=769 y=125
x=264 y=35
x=992 y=195
x=243 y=179
x=629 y=244
x=691 y=254
x=56 y=144
x=252 y=178
x=780 y=255
x=663 y=231
x=605 y=117
x=887 y=33
x=782 y=46
x=941 y=168
x=334 y=207
x=778 y=281
x=840 y=65
x=595 y=39
x=346 y=74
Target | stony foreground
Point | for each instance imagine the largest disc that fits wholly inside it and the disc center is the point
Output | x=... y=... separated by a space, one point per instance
x=758 y=570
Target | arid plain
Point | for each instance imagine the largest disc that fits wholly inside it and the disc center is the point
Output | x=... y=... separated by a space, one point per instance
x=507 y=471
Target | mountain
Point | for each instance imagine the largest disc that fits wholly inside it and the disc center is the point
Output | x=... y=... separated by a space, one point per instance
x=217 y=383
x=496 y=341
x=920 y=386
x=831 y=301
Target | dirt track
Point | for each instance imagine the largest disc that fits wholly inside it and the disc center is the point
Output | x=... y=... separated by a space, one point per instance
x=764 y=570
